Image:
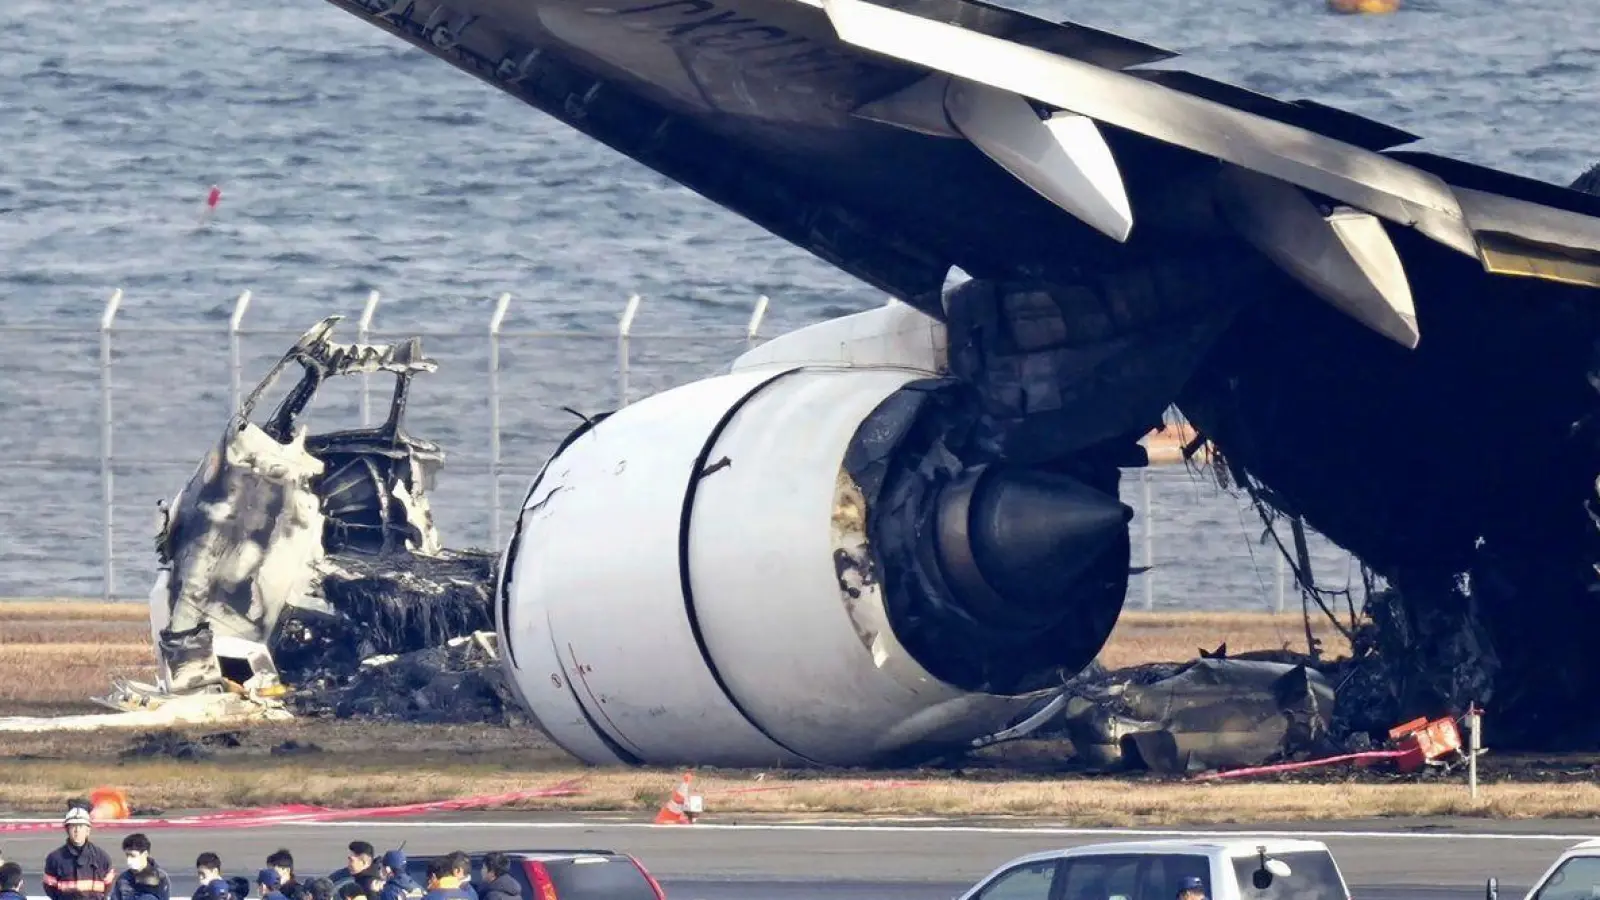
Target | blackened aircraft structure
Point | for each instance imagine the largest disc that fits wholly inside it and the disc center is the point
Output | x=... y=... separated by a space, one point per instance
x=899 y=530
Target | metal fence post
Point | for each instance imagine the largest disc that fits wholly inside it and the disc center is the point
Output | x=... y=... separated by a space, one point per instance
x=1149 y=540
x=495 y=321
x=362 y=329
x=756 y=315
x=1278 y=576
x=624 y=328
x=1474 y=722
x=107 y=488
x=235 y=352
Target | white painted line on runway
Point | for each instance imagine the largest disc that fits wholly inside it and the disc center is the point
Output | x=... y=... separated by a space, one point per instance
x=1023 y=830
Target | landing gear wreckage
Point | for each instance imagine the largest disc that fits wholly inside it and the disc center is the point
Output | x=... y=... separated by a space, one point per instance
x=898 y=531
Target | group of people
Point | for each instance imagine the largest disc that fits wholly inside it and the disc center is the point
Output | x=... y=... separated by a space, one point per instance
x=81 y=870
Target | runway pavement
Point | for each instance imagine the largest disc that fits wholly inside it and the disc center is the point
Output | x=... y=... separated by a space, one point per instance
x=770 y=859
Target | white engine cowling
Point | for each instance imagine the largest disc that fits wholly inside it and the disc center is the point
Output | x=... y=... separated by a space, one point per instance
x=787 y=565
x=652 y=616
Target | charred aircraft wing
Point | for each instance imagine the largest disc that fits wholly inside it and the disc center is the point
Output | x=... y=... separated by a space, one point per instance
x=898 y=138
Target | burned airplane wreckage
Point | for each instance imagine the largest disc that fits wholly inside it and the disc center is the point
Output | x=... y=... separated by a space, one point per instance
x=900 y=530
x=289 y=558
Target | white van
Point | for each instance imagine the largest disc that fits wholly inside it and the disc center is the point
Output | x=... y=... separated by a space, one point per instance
x=1575 y=875
x=1231 y=869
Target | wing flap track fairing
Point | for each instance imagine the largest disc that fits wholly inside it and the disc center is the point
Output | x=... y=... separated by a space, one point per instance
x=1344 y=256
x=1361 y=178
x=1064 y=158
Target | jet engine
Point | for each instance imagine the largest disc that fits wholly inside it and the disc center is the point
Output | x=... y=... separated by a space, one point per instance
x=800 y=561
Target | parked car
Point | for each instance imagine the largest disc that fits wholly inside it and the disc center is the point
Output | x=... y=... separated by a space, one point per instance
x=1235 y=869
x=559 y=875
x=1575 y=875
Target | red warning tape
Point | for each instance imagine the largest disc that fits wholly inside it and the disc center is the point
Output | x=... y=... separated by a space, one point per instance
x=1361 y=758
x=291 y=813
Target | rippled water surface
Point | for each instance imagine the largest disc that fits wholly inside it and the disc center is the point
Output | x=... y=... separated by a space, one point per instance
x=350 y=162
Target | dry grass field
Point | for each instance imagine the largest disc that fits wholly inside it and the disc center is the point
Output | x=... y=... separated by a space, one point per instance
x=381 y=778
x=53 y=655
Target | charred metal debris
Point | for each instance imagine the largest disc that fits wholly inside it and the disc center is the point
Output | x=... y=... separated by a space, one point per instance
x=305 y=569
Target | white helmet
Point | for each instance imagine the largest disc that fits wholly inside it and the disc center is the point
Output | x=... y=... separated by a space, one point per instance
x=76 y=815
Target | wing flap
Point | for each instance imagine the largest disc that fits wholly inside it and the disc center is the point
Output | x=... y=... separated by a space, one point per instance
x=1091 y=45
x=1510 y=254
x=1350 y=174
x=1063 y=158
x=1312 y=116
x=1345 y=257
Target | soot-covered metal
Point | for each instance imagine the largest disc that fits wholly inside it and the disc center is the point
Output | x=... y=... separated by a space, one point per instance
x=977 y=606
x=1462 y=472
x=315 y=551
x=1397 y=349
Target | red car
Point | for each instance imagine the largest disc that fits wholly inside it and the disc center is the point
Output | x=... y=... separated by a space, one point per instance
x=564 y=875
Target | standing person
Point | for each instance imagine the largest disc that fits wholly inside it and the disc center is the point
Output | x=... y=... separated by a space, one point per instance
x=11 y=881
x=136 y=850
x=499 y=885
x=461 y=868
x=397 y=882
x=321 y=888
x=149 y=887
x=208 y=871
x=443 y=883
x=282 y=860
x=268 y=881
x=77 y=870
x=359 y=861
x=371 y=886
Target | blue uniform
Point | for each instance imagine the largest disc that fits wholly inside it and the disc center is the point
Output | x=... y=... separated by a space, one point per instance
x=401 y=887
x=215 y=889
x=78 y=873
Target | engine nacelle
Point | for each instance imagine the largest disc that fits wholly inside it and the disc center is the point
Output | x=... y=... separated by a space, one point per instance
x=693 y=579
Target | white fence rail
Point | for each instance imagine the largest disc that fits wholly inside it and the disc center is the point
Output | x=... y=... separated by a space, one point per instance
x=490 y=466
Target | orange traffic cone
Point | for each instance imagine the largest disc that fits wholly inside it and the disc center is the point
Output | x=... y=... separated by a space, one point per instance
x=108 y=804
x=682 y=806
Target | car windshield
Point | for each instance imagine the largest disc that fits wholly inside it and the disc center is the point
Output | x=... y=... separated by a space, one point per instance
x=1312 y=876
x=609 y=877
x=613 y=877
x=1576 y=879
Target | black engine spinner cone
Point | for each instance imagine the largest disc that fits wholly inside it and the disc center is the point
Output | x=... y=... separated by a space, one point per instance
x=1012 y=541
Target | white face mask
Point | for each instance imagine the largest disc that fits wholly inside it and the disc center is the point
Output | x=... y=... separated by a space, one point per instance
x=137 y=862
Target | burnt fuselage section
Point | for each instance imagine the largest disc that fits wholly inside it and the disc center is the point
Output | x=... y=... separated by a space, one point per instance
x=295 y=553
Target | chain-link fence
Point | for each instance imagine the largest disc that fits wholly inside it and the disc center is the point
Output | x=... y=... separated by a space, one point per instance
x=101 y=425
